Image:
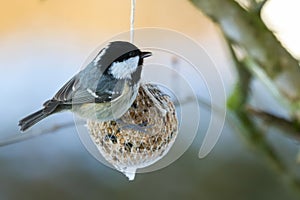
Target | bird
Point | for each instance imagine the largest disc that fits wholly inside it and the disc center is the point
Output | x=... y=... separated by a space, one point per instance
x=104 y=90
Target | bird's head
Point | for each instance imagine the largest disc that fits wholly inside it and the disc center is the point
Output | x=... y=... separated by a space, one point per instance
x=122 y=60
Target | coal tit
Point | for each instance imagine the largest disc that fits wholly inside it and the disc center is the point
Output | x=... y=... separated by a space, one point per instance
x=102 y=91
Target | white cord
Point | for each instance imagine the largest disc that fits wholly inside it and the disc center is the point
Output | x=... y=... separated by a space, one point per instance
x=132 y=21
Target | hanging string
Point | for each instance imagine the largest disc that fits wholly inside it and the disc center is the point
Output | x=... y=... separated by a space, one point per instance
x=132 y=14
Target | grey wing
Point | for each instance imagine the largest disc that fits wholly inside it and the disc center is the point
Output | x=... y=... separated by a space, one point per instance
x=73 y=92
x=109 y=88
x=65 y=94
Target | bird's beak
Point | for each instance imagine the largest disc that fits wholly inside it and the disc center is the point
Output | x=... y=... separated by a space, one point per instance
x=145 y=54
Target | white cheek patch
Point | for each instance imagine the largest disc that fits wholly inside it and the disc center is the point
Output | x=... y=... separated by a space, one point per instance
x=122 y=70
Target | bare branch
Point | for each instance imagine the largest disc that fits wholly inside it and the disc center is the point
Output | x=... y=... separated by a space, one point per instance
x=248 y=31
x=26 y=136
x=287 y=127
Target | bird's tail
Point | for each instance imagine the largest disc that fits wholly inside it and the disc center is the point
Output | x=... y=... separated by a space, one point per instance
x=32 y=119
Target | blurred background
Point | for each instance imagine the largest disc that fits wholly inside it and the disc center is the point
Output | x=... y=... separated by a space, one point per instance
x=44 y=42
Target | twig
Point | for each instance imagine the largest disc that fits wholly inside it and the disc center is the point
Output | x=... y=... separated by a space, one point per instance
x=287 y=127
x=239 y=97
x=26 y=136
x=262 y=47
x=240 y=119
x=245 y=126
